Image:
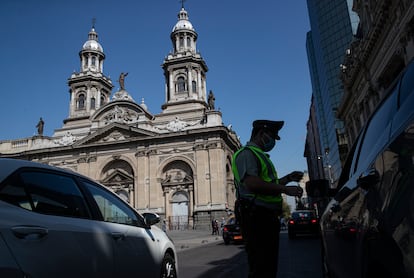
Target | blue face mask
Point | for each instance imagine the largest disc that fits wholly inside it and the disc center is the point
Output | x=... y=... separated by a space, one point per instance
x=269 y=145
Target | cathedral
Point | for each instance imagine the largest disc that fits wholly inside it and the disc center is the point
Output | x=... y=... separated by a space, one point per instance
x=176 y=163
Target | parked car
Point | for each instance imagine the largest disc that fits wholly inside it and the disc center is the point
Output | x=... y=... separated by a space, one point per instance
x=57 y=223
x=303 y=222
x=368 y=227
x=231 y=231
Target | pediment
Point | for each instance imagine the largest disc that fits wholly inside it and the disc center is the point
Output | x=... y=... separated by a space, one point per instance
x=118 y=177
x=114 y=132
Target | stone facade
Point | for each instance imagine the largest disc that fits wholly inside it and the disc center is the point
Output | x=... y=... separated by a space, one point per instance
x=383 y=46
x=176 y=163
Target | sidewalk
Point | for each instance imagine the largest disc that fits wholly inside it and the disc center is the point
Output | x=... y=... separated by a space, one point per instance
x=185 y=239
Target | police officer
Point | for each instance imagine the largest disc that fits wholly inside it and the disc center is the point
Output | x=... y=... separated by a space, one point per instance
x=259 y=200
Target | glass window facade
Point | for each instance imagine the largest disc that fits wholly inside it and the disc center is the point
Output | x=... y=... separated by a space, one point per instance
x=331 y=34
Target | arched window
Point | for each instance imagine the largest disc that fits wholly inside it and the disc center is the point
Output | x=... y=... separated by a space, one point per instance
x=181 y=42
x=180 y=84
x=93 y=61
x=103 y=101
x=188 y=42
x=81 y=102
x=194 y=86
x=93 y=103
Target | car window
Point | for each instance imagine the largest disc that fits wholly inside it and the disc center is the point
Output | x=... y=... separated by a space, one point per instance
x=231 y=221
x=46 y=193
x=303 y=215
x=112 y=208
x=407 y=84
x=377 y=132
x=347 y=170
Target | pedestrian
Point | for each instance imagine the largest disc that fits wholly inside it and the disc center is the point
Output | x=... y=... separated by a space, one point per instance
x=213 y=226
x=282 y=223
x=259 y=200
x=216 y=231
x=223 y=222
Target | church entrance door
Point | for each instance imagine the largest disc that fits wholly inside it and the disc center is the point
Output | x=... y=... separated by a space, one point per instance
x=179 y=218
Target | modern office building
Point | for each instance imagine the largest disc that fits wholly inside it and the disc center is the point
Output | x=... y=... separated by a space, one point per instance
x=330 y=35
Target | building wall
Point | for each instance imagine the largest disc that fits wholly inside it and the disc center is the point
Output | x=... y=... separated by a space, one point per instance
x=382 y=48
x=176 y=163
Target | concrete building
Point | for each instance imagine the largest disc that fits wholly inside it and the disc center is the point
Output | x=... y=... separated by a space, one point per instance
x=176 y=163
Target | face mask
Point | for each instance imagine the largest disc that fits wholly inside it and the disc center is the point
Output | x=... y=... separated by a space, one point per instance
x=269 y=145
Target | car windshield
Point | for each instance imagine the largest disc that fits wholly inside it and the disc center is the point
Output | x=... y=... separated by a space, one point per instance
x=303 y=215
x=231 y=221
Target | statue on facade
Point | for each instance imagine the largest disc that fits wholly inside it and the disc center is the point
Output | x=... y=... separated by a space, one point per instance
x=121 y=80
x=40 y=125
x=211 y=100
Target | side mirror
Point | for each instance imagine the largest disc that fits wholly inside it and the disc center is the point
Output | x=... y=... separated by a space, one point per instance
x=336 y=208
x=151 y=218
x=368 y=179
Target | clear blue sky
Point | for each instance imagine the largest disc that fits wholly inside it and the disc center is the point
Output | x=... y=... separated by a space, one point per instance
x=255 y=52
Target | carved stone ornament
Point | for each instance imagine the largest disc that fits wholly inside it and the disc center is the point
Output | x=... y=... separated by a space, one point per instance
x=66 y=140
x=122 y=95
x=177 y=125
x=120 y=115
x=114 y=136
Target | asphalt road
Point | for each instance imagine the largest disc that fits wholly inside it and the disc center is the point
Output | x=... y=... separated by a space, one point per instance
x=298 y=258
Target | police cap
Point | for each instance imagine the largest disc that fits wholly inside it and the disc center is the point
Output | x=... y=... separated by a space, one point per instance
x=272 y=126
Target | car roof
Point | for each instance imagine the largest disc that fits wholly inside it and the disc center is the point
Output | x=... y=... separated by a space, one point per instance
x=9 y=165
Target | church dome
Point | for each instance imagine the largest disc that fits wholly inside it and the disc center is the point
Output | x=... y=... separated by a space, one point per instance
x=92 y=45
x=92 y=42
x=183 y=22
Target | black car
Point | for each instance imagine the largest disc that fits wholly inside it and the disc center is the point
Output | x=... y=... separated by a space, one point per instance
x=231 y=231
x=303 y=222
x=367 y=229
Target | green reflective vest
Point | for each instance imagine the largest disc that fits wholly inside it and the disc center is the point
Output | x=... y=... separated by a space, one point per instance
x=267 y=172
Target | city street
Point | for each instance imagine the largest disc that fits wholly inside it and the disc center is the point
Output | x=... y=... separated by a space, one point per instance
x=298 y=258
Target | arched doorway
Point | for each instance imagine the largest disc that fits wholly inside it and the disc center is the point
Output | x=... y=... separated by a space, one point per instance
x=119 y=176
x=178 y=183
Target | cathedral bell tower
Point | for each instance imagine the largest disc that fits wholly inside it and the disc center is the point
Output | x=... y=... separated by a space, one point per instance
x=184 y=69
x=90 y=88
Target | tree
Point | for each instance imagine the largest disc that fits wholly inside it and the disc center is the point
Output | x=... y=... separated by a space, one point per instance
x=286 y=210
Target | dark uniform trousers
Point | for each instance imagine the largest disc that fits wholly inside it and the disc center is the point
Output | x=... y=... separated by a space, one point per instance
x=260 y=230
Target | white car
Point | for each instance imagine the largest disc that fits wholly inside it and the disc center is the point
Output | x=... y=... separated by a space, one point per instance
x=57 y=223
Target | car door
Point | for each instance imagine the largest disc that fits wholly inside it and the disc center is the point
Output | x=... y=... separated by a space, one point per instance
x=353 y=213
x=136 y=247
x=397 y=190
x=46 y=223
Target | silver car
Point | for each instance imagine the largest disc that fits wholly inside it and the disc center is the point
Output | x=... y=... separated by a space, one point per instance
x=57 y=223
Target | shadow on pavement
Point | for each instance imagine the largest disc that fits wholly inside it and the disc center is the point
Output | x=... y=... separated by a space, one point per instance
x=235 y=266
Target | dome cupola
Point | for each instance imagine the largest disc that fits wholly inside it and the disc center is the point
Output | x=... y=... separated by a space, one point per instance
x=92 y=42
x=184 y=69
x=183 y=35
x=183 y=22
x=92 y=55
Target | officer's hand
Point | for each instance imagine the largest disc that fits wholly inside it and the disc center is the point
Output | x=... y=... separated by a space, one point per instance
x=296 y=191
x=295 y=176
